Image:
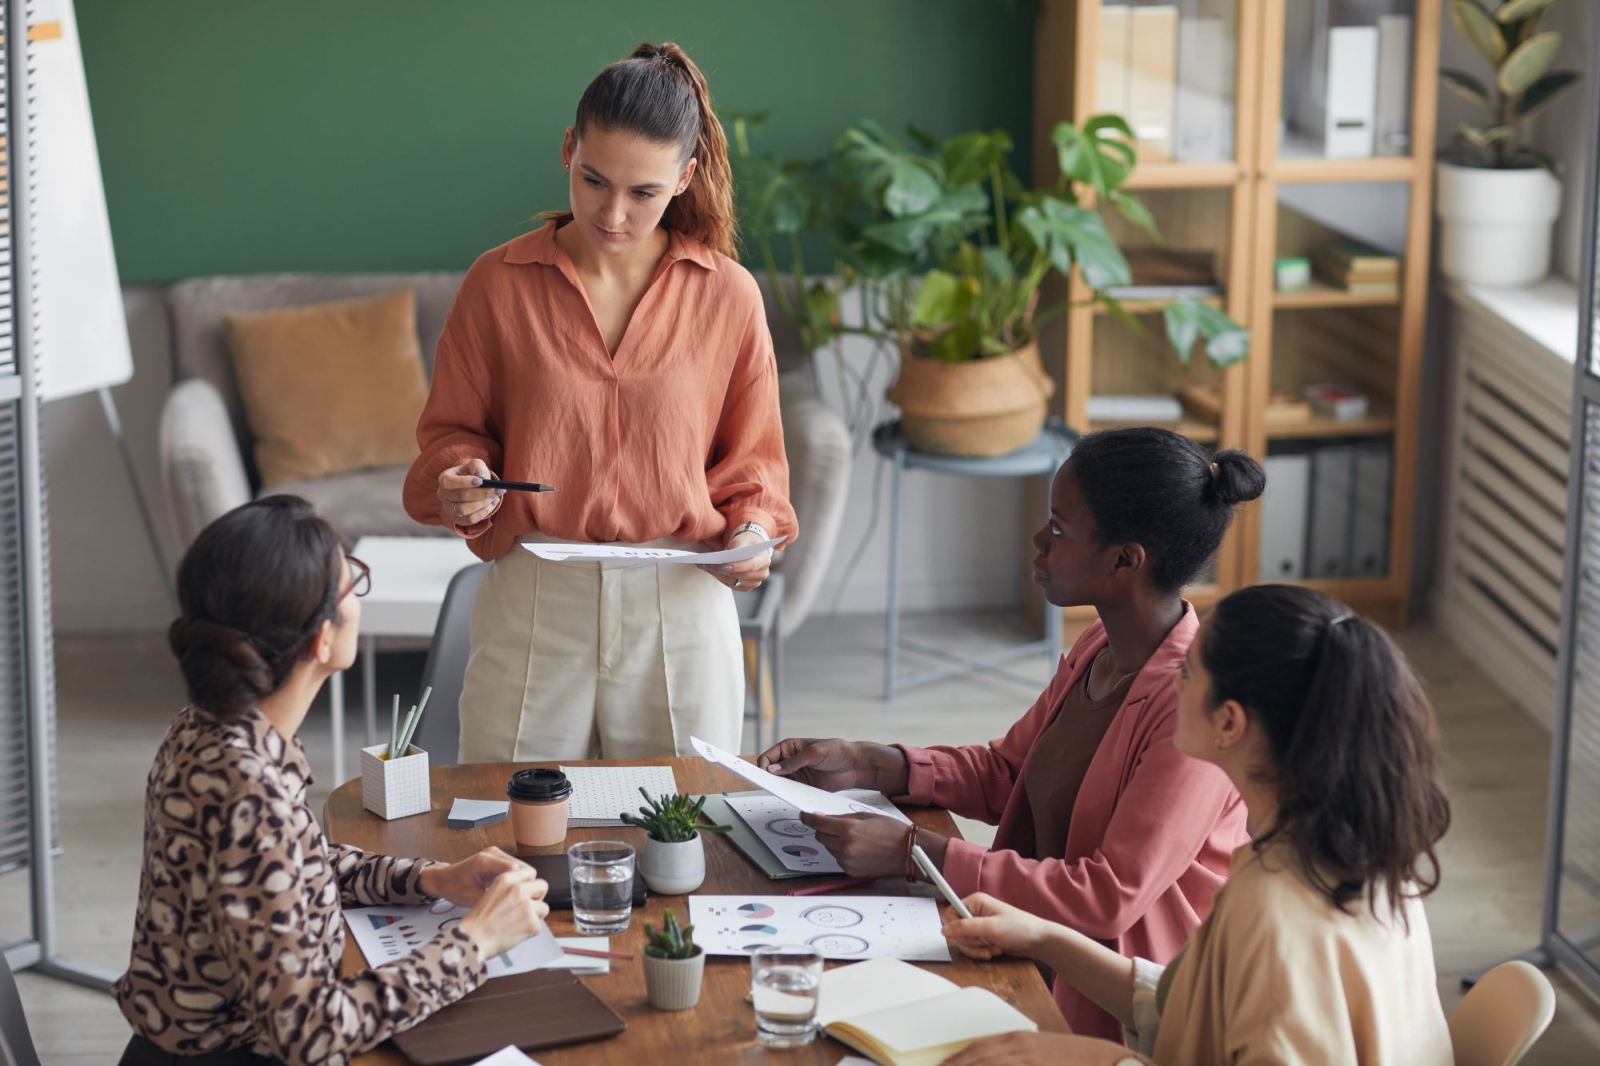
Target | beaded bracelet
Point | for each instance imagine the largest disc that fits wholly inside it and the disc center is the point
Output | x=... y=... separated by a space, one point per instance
x=911 y=842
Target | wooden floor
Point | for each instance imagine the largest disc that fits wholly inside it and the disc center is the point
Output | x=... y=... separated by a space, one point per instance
x=116 y=696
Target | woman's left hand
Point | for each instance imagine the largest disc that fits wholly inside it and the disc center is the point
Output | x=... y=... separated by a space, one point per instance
x=1041 y=1049
x=746 y=575
x=462 y=883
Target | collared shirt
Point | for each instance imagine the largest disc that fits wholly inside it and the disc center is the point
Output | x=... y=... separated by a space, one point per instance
x=238 y=933
x=675 y=436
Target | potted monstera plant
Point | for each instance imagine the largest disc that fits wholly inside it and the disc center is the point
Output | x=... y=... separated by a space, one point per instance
x=954 y=214
x=1498 y=197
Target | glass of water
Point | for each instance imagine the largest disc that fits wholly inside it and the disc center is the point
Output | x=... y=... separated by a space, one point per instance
x=784 y=983
x=602 y=886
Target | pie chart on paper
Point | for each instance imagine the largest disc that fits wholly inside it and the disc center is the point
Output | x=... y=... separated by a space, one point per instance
x=755 y=910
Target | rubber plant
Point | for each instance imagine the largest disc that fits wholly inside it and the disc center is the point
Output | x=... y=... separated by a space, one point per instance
x=1509 y=39
x=956 y=212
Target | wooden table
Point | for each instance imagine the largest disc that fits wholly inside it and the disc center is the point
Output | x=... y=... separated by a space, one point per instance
x=722 y=1027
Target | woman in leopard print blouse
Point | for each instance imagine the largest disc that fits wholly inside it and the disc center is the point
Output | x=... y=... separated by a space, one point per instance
x=238 y=934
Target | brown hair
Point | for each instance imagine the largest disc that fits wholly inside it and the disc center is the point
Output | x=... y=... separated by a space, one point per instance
x=1353 y=741
x=254 y=587
x=659 y=94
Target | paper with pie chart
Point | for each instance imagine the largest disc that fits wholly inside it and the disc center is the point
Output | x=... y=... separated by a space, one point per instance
x=806 y=797
x=839 y=927
x=777 y=824
x=385 y=934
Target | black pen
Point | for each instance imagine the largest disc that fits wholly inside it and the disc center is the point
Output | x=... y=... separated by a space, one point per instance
x=518 y=486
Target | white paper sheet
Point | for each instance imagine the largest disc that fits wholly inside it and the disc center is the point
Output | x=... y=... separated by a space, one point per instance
x=795 y=793
x=385 y=934
x=612 y=553
x=777 y=824
x=601 y=793
x=839 y=927
x=513 y=1056
x=585 y=964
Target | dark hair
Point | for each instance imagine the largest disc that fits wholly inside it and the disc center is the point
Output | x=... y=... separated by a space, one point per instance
x=254 y=587
x=1155 y=488
x=659 y=94
x=1353 y=739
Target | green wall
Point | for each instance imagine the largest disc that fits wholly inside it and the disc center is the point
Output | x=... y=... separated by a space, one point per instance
x=258 y=135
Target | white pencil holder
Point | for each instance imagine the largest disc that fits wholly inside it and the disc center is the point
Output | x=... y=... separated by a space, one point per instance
x=395 y=788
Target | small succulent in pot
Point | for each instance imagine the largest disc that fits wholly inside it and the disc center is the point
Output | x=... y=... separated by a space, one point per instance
x=671 y=941
x=671 y=819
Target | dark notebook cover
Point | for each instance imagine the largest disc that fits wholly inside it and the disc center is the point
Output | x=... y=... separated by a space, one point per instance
x=545 y=1008
x=555 y=872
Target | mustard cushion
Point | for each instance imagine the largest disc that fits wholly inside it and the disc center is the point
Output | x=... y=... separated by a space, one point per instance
x=331 y=387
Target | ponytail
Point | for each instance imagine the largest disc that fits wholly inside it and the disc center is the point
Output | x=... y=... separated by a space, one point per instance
x=1353 y=745
x=659 y=94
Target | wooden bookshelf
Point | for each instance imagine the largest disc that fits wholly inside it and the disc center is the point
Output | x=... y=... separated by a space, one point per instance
x=1244 y=210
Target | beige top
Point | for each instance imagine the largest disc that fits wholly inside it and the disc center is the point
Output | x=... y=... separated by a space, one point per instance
x=1279 y=975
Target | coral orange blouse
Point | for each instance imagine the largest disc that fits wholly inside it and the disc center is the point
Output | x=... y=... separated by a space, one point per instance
x=678 y=435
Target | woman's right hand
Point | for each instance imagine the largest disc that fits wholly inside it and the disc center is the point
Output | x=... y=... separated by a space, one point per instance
x=994 y=928
x=838 y=764
x=462 y=499
x=512 y=909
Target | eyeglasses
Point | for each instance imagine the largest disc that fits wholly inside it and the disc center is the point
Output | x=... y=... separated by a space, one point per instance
x=360 y=579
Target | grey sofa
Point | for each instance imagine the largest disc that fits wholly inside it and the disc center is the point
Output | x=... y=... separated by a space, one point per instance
x=207 y=454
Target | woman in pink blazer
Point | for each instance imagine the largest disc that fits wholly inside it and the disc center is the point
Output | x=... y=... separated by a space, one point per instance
x=1103 y=825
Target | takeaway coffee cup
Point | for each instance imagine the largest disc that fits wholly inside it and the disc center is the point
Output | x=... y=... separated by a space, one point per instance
x=539 y=801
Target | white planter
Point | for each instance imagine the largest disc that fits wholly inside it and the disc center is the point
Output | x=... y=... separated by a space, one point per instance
x=674 y=984
x=395 y=788
x=1495 y=224
x=673 y=869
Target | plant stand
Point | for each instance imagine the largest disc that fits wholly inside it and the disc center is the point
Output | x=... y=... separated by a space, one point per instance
x=1041 y=458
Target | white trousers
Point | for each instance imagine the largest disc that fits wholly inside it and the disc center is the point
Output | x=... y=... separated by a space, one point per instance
x=600 y=660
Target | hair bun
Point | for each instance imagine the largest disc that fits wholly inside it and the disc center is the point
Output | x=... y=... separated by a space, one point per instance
x=1235 y=478
x=223 y=668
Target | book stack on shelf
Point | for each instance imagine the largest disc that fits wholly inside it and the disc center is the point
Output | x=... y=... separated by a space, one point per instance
x=1284 y=410
x=1358 y=269
x=1168 y=274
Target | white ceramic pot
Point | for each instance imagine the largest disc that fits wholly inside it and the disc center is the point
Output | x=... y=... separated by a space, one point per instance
x=673 y=869
x=674 y=984
x=1495 y=224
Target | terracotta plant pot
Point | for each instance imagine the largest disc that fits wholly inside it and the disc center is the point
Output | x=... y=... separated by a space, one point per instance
x=674 y=984
x=983 y=407
x=674 y=869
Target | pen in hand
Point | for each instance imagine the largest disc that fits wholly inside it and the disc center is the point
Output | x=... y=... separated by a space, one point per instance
x=516 y=486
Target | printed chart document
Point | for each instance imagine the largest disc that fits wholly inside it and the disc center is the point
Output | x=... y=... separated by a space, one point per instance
x=389 y=933
x=901 y=1015
x=793 y=843
x=795 y=793
x=838 y=927
x=615 y=553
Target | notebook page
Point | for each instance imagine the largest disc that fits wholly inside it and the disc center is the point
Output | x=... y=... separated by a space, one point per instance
x=955 y=1019
x=875 y=985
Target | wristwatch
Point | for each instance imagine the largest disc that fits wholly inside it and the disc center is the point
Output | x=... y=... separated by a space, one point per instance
x=751 y=527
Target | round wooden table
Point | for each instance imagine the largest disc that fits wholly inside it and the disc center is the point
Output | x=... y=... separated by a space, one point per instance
x=722 y=1027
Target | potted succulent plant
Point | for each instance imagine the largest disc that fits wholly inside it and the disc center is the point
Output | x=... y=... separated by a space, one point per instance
x=673 y=861
x=1498 y=197
x=674 y=965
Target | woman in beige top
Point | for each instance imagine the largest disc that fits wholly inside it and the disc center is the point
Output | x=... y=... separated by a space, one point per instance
x=1317 y=949
x=237 y=938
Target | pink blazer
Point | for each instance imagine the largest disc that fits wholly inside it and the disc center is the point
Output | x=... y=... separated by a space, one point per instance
x=1152 y=830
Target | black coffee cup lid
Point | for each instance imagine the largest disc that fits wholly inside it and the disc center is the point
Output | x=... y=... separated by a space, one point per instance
x=539 y=785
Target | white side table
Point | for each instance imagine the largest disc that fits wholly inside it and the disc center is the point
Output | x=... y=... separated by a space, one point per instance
x=409 y=579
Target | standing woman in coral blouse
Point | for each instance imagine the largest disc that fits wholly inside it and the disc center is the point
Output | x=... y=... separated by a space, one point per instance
x=621 y=355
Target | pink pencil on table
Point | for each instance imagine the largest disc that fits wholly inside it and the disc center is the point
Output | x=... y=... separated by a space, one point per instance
x=832 y=886
x=622 y=956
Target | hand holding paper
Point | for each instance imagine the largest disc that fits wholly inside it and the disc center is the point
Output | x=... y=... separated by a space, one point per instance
x=806 y=797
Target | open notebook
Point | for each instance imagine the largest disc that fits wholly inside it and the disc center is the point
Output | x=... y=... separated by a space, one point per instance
x=902 y=1015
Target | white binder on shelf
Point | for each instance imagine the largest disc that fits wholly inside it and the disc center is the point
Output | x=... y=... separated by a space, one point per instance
x=1283 y=517
x=1332 y=484
x=1203 y=121
x=1111 y=84
x=1369 y=525
x=1350 y=93
x=1392 y=122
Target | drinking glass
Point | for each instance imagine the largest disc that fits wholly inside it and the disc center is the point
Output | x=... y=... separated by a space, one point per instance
x=784 y=985
x=602 y=886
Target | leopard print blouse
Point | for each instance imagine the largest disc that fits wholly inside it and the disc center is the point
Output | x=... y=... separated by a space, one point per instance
x=238 y=934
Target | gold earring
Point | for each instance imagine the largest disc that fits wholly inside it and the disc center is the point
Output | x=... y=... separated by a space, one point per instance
x=1219 y=745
